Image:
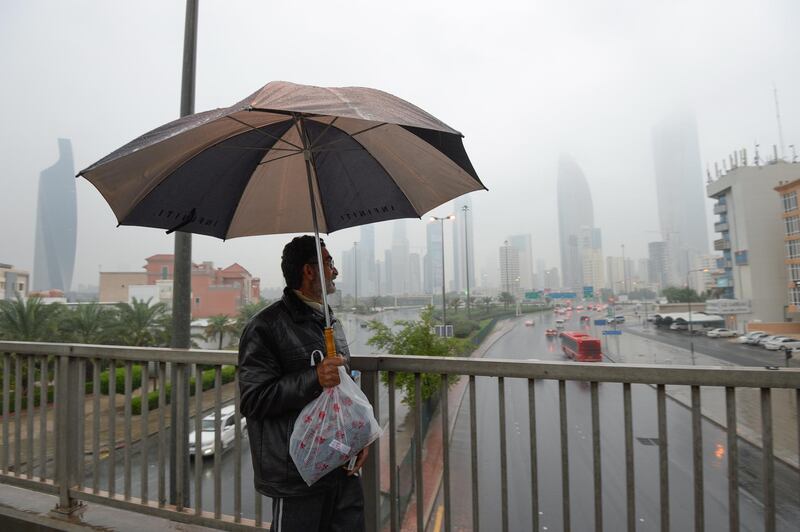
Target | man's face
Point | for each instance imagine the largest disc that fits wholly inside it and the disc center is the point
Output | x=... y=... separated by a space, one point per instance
x=330 y=274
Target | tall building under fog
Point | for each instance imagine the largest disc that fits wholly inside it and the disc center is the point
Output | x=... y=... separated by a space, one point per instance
x=433 y=258
x=399 y=262
x=575 y=211
x=525 y=249
x=367 y=282
x=509 y=269
x=56 y=223
x=679 y=186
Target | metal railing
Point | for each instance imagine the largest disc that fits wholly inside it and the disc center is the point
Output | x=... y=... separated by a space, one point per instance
x=71 y=448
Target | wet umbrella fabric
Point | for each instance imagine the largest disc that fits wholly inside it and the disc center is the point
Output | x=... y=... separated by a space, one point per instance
x=241 y=171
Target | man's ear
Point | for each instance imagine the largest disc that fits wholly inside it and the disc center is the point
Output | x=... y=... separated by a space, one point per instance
x=308 y=271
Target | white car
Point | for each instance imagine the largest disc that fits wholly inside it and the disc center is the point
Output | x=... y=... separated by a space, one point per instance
x=764 y=339
x=721 y=333
x=745 y=338
x=756 y=338
x=782 y=343
x=227 y=431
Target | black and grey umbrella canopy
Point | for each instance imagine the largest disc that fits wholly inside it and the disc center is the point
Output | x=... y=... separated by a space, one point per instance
x=242 y=171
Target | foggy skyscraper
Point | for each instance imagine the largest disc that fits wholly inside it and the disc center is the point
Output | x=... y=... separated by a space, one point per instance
x=433 y=259
x=525 y=250
x=56 y=223
x=399 y=263
x=367 y=283
x=575 y=210
x=509 y=269
x=679 y=186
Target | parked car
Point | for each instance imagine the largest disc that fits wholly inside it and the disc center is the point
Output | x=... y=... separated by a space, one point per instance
x=227 y=431
x=746 y=337
x=679 y=327
x=756 y=338
x=721 y=333
x=764 y=339
x=782 y=343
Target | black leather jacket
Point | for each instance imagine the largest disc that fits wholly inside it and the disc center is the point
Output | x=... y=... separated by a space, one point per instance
x=276 y=380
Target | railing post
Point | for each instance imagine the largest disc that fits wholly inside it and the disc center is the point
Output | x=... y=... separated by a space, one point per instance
x=68 y=427
x=371 y=471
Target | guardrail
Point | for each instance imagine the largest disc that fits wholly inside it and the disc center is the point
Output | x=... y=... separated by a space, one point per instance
x=70 y=448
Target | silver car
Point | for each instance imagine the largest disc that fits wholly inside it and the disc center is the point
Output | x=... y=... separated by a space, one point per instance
x=227 y=432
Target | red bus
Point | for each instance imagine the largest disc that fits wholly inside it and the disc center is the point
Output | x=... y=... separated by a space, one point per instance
x=581 y=347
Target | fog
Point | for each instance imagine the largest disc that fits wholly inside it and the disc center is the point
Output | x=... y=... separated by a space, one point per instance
x=523 y=81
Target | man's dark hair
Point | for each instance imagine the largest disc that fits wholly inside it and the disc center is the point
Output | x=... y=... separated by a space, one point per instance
x=300 y=251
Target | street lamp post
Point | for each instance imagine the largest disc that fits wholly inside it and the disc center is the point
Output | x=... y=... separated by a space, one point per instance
x=689 y=299
x=465 y=208
x=355 y=270
x=444 y=301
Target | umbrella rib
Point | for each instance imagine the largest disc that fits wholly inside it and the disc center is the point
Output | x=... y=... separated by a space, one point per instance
x=278 y=158
x=257 y=148
x=349 y=135
x=276 y=139
x=327 y=127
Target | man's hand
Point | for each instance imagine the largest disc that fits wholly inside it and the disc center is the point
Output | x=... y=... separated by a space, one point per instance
x=362 y=457
x=328 y=371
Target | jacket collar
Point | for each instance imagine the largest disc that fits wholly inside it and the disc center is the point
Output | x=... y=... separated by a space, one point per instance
x=300 y=311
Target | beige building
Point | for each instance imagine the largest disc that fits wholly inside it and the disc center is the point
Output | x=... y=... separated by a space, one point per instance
x=13 y=281
x=114 y=285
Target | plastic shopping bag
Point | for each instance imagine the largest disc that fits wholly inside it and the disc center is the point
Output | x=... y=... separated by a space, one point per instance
x=332 y=429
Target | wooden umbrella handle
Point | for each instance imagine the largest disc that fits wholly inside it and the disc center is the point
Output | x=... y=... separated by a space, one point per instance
x=330 y=345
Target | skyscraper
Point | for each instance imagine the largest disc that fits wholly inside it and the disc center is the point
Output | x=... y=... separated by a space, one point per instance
x=525 y=249
x=460 y=237
x=575 y=210
x=56 y=223
x=433 y=258
x=400 y=250
x=509 y=269
x=679 y=186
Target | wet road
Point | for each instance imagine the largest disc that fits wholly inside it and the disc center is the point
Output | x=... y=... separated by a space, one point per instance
x=529 y=342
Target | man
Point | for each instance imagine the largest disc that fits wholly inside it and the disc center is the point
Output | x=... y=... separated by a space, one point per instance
x=282 y=368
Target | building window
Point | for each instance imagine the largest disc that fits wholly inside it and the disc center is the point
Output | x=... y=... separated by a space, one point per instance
x=197 y=301
x=789 y=201
x=794 y=296
x=741 y=258
x=794 y=272
x=164 y=272
x=792 y=225
x=21 y=287
x=793 y=249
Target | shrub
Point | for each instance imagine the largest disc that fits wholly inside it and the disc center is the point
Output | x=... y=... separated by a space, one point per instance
x=136 y=380
x=463 y=328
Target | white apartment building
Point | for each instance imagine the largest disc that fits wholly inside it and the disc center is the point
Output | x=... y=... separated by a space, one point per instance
x=509 y=269
x=751 y=229
x=13 y=281
x=593 y=271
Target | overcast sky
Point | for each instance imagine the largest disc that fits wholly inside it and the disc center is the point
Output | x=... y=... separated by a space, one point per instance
x=524 y=81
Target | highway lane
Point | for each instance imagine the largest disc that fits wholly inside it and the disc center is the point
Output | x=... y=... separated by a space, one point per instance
x=529 y=342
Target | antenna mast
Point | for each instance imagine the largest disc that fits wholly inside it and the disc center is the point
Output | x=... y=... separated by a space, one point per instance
x=778 y=118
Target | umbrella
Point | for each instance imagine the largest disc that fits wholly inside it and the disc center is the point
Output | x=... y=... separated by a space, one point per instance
x=288 y=158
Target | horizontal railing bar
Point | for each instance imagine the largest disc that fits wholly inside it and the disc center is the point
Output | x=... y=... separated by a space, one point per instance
x=42 y=486
x=122 y=353
x=166 y=511
x=778 y=377
x=601 y=372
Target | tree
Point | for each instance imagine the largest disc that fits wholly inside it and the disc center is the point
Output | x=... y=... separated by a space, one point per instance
x=218 y=326
x=140 y=324
x=29 y=321
x=415 y=338
x=681 y=295
x=87 y=324
x=455 y=303
x=246 y=312
x=507 y=299
x=487 y=303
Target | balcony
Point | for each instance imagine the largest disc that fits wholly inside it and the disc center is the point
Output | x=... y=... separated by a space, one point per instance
x=720 y=208
x=720 y=227
x=71 y=450
x=722 y=244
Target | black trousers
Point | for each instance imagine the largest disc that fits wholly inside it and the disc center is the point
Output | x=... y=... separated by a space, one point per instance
x=340 y=509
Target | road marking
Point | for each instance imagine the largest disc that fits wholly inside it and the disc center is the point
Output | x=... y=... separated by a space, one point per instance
x=437 y=524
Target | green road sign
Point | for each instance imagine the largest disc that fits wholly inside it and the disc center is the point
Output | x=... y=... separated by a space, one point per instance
x=588 y=291
x=533 y=295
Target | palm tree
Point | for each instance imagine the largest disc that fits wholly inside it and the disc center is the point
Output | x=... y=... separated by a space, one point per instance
x=507 y=299
x=246 y=312
x=87 y=323
x=139 y=323
x=30 y=321
x=218 y=326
